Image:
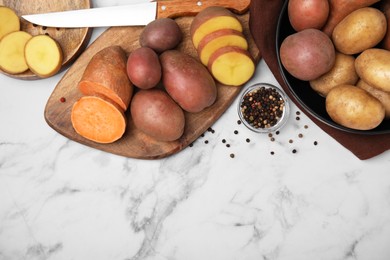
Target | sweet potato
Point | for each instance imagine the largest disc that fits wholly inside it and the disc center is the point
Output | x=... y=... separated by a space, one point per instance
x=212 y=19
x=43 y=55
x=9 y=21
x=12 y=58
x=339 y=9
x=98 y=119
x=231 y=65
x=106 y=75
x=218 y=39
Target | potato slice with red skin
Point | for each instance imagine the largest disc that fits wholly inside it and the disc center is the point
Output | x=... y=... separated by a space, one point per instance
x=231 y=66
x=212 y=19
x=218 y=39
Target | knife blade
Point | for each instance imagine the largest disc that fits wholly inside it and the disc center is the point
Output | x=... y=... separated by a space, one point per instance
x=136 y=14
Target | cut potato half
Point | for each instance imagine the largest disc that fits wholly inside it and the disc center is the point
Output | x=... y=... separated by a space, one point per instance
x=231 y=66
x=43 y=55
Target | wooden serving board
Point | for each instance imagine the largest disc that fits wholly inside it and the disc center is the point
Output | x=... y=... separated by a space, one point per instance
x=72 y=41
x=135 y=144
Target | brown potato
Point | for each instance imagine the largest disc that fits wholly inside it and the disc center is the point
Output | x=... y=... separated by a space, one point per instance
x=354 y=108
x=187 y=81
x=360 y=30
x=307 y=54
x=385 y=8
x=305 y=14
x=161 y=34
x=155 y=113
x=382 y=96
x=373 y=66
x=144 y=68
x=343 y=72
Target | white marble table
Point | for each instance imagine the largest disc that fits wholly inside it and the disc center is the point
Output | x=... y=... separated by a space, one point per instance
x=62 y=200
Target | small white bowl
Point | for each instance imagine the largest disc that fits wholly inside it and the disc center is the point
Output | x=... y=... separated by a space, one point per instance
x=272 y=119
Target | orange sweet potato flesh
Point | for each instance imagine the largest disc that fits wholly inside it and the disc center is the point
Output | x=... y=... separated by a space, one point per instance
x=106 y=75
x=98 y=119
x=339 y=9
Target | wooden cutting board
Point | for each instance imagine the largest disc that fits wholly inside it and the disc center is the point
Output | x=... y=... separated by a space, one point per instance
x=72 y=41
x=135 y=144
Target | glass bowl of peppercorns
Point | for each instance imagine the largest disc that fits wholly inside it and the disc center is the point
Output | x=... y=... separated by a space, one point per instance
x=263 y=107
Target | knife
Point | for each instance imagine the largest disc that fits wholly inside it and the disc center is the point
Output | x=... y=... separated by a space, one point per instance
x=140 y=13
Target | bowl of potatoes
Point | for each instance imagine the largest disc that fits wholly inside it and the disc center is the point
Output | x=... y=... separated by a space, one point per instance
x=335 y=60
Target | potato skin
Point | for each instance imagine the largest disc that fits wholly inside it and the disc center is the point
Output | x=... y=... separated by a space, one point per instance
x=343 y=72
x=144 y=68
x=187 y=81
x=304 y=14
x=373 y=66
x=382 y=96
x=307 y=54
x=155 y=113
x=354 y=108
x=360 y=30
x=161 y=34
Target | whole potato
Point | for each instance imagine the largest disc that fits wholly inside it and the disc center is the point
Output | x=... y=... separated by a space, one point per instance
x=385 y=8
x=161 y=34
x=382 y=96
x=307 y=54
x=354 y=108
x=187 y=81
x=343 y=72
x=143 y=68
x=304 y=14
x=155 y=113
x=373 y=66
x=360 y=30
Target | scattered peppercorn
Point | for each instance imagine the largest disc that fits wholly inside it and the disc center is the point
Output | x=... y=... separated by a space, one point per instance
x=232 y=155
x=298 y=113
x=239 y=122
x=62 y=99
x=248 y=140
x=277 y=132
x=306 y=126
x=227 y=145
x=262 y=107
x=223 y=140
x=191 y=144
x=272 y=152
x=272 y=139
x=315 y=142
x=235 y=132
x=294 y=151
x=297 y=118
x=290 y=141
x=300 y=135
x=206 y=141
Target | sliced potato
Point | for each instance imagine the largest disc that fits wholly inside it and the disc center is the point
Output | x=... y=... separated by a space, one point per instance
x=43 y=55
x=9 y=21
x=12 y=58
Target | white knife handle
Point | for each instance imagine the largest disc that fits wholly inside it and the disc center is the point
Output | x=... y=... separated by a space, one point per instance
x=176 y=8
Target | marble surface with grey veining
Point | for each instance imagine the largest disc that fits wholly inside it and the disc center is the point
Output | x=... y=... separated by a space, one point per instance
x=298 y=195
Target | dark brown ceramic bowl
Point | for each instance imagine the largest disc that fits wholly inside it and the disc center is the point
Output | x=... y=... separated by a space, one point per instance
x=305 y=95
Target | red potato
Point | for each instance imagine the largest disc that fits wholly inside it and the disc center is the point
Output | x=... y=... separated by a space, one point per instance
x=106 y=75
x=98 y=119
x=187 y=81
x=155 y=113
x=161 y=34
x=143 y=68
x=231 y=65
x=339 y=9
x=304 y=14
x=212 y=19
x=307 y=54
x=218 y=39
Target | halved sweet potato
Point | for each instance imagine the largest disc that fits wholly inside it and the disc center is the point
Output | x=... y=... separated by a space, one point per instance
x=106 y=75
x=12 y=58
x=98 y=119
x=212 y=19
x=218 y=39
x=231 y=65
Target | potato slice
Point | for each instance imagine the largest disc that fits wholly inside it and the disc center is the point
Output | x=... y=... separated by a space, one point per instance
x=12 y=52
x=9 y=21
x=231 y=65
x=218 y=39
x=43 y=55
